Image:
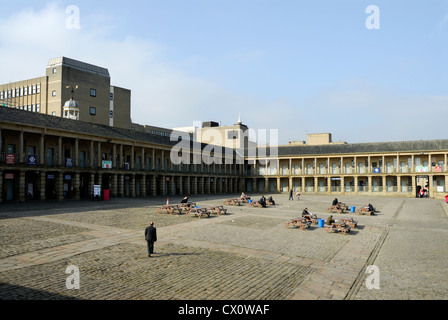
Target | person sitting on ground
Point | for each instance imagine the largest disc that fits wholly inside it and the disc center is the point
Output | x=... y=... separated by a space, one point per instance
x=330 y=220
x=184 y=200
x=371 y=208
x=335 y=202
x=271 y=200
x=263 y=201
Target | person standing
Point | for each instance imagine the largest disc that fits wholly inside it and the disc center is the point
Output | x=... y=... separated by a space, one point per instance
x=150 y=237
x=290 y=195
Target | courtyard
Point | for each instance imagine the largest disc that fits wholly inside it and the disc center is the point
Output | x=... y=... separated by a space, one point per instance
x=247 y=254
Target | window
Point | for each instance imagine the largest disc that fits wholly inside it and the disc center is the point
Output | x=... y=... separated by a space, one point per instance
x=55 y=70
x=34 y=89
x=38 y=107
x=1 y=95
x=54 y=113
x=111 y=114
x=38 y=88
x=92 y=111
x=25 y=92
x=93 y=92
x=111 y=97
x=54 y=93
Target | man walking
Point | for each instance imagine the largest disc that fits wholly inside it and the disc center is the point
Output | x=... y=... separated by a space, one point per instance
x=290 y=195
x=150 y=237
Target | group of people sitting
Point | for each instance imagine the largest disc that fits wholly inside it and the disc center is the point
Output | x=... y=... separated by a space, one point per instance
x=262 y=200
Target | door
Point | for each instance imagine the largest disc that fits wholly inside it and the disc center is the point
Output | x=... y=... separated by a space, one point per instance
x=9 y=190
x=321 y=186
x=347 y=186
x=375 y=186
x=390 y=187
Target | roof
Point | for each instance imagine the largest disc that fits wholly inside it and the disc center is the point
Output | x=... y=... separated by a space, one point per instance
x=78 y=65
x=22 y=117
x=364 y=148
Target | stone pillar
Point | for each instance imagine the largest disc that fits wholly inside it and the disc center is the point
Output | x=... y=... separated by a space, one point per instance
x=207 y=185
x=316 y=184
x=414 y=186
x=143 y=186
x=399 y=184
x=369 y=183
x=60 y=186
x=20 y=151
x=76 y=185
x=132 y=186
x=187 y=186
x=356 y=184
x=92 y=151
x=431 y=185
x=342 y=184
x=303 y=185
x=163 y=185
x=266 y=185
x=115 y=185
x=194 y=189
x=120 y=185
x=42 y=185
x=42 y=149
x=446 y=182
x=1 y=176
x=153 y=186
x=384 y=185
x=22 y=187
x=76 y=154
x=201 y=185
x=59 y=151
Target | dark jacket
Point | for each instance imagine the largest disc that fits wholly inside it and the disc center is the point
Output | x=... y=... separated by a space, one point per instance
x=151 y=234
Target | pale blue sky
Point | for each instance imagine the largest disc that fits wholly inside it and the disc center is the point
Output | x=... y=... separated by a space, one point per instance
x=296 y=66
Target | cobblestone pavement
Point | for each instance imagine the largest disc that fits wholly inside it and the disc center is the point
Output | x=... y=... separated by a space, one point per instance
x=248 y=254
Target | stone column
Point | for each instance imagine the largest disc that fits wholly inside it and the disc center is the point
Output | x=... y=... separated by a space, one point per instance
x=42 y=150
x=132 y=186
x=414 y=186
x=1 y=176
x=194 y=186
x=121 y=186
x=43 y=185
x=22 y=187
x=431 y=185
x=187 y=186
x=207 y=185
x=59 y=151
x=115 y=185
x=153 y=186
x=163 y=185
x=356 y=184
x=60 y=186
x=399 y=184
x=143 y=186
x=76 y=185
x=99 y=156
x=92 y=151
x=76 y=155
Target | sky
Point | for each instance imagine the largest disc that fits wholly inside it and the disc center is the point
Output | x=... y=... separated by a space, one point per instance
x=298 y=67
